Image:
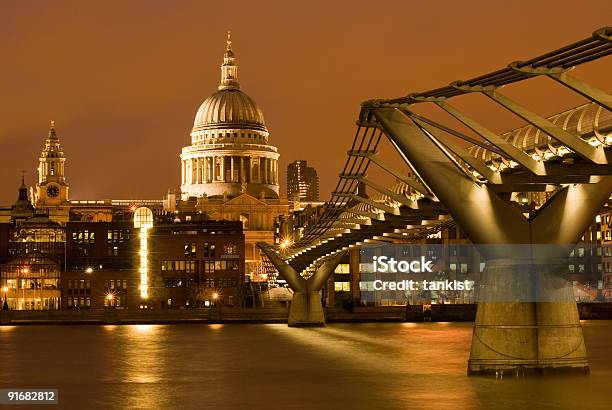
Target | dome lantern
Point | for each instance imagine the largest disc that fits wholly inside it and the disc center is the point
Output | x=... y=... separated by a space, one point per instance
x=229 y=69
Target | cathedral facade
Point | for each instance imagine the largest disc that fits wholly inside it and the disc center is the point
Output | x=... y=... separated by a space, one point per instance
x=230 y=170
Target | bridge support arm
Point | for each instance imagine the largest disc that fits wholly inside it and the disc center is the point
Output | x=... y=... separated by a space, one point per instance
x=296 y=282
x=567 y=215
x=316 y=281
x=472 y=205
x=306 y=305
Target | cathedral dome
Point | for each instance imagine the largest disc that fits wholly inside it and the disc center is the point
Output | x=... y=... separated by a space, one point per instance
x=229 y=153
x=229 y=108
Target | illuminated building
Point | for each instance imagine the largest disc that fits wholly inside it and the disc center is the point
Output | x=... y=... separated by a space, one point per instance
x=196 y=259
x=302 y=182
x=34 y=254
x=51 y=192
x=100 y=261
x=230 y=170
x=32 y=281
x=229 y=152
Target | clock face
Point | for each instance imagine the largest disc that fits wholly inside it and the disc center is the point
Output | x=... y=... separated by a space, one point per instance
x=52 y=191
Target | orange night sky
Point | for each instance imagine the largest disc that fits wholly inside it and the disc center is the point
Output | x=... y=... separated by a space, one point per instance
x=124 y=79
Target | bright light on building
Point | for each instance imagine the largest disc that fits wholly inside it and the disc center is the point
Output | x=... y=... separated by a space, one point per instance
x=215 y=295
x=109 y=297
x=143 y=220
x=5 y=289
x=89 y=270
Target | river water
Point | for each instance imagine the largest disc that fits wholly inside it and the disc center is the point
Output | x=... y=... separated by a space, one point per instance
x=341 y=366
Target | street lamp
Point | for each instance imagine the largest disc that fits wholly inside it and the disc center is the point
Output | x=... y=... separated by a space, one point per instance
x=109 y=298
x=285 y=244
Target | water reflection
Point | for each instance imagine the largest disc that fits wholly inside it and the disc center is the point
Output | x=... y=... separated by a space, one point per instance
x=374 y=366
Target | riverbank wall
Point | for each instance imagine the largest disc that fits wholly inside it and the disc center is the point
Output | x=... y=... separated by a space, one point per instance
x=410 y=313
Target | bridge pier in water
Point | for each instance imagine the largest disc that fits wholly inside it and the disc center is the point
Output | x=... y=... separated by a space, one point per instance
x=527 y=320
x=306 y=305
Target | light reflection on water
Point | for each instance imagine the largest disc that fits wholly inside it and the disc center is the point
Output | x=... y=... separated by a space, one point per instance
x=405 y=365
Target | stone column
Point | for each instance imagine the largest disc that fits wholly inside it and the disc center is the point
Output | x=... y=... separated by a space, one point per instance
x=182 y=172
x=232 y=168
x=265 y=179
x=202 y=173
x=222 y=168
x=242 y=175
x=214 y=168
x=199 y=170
x=204 y=170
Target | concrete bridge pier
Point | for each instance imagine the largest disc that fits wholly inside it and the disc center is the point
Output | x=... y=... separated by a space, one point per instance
x=527 y=322
x=306 y=306
x=306 y=310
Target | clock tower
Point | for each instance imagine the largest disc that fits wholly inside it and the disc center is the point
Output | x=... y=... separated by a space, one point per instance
x=52 y=190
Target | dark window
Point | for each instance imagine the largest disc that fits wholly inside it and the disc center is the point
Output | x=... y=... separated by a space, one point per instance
x=209 y=250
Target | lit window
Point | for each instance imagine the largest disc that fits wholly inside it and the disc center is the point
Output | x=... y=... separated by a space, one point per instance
x=342 y=286
x=343 y=268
